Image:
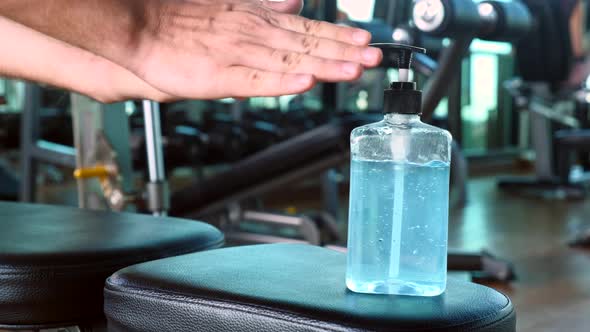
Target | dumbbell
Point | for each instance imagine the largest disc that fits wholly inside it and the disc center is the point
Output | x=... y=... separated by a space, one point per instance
x=490 y=19
x=462 y=21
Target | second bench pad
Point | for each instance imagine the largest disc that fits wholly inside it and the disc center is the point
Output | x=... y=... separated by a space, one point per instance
x=284 y=288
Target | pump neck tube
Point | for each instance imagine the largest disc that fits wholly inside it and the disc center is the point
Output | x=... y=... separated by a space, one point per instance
x=395 y=118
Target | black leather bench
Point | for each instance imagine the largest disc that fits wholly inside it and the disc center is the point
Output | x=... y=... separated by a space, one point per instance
x=54 y=260
x=284 y=287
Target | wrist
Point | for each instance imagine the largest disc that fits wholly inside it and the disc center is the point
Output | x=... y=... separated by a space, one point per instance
x=112 y=83
x=144 y=26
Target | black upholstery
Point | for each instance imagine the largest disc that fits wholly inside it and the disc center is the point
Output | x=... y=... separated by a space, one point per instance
x=284 y=287
x=271 y=163
x=54 y=260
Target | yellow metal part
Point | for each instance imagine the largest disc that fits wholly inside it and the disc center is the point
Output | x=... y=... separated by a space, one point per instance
x=99 y=171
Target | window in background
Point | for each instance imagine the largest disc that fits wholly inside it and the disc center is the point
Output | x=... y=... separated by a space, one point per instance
x=483 y=116
x=442 y=110
x=2 y=95
x=14 y=92
x=358 y=10
x=484 y=99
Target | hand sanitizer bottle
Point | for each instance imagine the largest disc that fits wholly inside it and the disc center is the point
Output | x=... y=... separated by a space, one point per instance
x=399 y=195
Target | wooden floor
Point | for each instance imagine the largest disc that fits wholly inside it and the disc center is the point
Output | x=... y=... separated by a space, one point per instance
x=552 y=292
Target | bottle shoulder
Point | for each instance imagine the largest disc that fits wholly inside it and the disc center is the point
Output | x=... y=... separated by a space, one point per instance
x=414 y=142
x=383 y=129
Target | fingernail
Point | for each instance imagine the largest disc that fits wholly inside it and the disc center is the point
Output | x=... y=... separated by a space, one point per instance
x=350 y=68
x=371 y=54
x=304 y=79
x=361 y=37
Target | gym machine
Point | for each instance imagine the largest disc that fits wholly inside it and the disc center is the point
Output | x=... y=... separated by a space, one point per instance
x=9 y=184
x=554 y=148
x=104 y=153
x=158 y=197
x=34 y=148
x=557 y=116
x=463 y=21
x=99 y=151
x=101 y=140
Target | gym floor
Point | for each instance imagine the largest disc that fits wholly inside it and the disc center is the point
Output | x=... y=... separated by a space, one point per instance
x=552 y=292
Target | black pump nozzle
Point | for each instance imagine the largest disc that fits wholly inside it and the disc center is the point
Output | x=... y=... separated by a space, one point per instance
x=398 y=55
x=402 y=97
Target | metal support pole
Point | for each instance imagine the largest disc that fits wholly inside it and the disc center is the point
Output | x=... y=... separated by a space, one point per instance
x=331 y=193
x=455 y=121
x=30 y=134
x=542 y=141
x=158 y=196
x=102 y=138
x=448 y=68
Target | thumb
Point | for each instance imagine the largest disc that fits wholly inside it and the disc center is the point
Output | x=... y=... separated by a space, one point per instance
x=284 y=6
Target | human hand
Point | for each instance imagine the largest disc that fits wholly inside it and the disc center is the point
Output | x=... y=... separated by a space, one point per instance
x=128 y=86
x=132 y=86
x=208 y=49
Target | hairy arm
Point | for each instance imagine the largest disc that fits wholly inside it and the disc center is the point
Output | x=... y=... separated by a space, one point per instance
x=107 y=27
x=30 y=55
x=205 y=49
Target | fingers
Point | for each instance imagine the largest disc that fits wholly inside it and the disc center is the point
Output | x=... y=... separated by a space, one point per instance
x=324 y=48
x=264 y=28
x=319 y=29
x=326 y=30
x=274 y=60
x=243 y=82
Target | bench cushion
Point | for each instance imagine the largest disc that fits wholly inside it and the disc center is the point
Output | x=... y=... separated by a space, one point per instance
x=284 y=287
x=54 y=260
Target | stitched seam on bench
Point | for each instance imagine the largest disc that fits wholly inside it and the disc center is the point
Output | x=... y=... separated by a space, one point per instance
x=488 y=316
x=492 y=323
x=144 y=292
x=33 y=269
x=235 y=306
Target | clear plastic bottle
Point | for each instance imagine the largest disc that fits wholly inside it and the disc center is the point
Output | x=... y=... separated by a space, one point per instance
x=399 y=198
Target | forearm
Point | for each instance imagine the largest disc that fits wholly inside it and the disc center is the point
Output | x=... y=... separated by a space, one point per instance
x=30 y=55
x=110 y=28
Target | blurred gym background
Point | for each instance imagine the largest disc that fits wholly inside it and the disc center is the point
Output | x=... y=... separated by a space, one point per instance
x=517 y=109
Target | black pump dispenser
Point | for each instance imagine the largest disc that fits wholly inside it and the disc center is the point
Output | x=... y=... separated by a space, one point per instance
x=402 y=97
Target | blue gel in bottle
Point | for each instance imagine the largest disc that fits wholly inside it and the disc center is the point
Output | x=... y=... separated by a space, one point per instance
x=399 y=199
